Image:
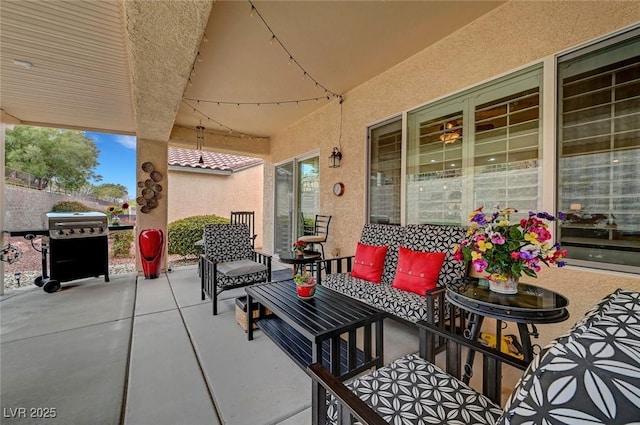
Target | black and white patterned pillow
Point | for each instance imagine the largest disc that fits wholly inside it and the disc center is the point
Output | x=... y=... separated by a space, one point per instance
x=385 y=235
x=590 y=376
x=438 y=238
x=414 y=391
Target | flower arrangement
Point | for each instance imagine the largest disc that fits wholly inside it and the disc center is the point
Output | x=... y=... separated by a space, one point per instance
x=505 y=250
x=300 y=246
x=305 y=278
x=114 y=211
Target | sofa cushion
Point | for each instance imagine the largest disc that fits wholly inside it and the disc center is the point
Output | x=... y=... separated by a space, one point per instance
x=413 y=391
x=438 y=238
x=368 y=263
x=385 y=235
x=417 y=271
x=403 y=304
x=240 y=267
x=591 y=375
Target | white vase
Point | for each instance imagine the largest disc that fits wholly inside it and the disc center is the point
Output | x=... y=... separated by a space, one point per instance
x=509 y=286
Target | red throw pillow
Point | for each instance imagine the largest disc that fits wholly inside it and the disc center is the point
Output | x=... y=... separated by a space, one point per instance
x=369 y=262
x=417 y=271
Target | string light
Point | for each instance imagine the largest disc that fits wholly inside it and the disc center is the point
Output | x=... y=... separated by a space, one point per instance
x=230 y=130
x=292 y=60
x=275 y=102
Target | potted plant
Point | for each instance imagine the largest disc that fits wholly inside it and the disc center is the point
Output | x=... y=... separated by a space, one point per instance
x=305 y=285
x=504 y=250
x=113 y=213
x=299 y=247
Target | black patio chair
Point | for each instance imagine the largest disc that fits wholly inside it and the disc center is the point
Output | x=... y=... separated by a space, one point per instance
x=229 y=261
x=248 y=218
x=320 y=232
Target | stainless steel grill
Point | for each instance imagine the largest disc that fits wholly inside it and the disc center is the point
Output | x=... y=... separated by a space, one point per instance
x=78 y=246
x=77 y=225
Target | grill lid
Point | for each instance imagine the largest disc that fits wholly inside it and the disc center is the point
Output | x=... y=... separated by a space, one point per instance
x=77 y=225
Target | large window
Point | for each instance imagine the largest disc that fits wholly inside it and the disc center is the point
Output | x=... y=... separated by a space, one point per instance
x=479 y=148
x=385 y=157
x=599 y=153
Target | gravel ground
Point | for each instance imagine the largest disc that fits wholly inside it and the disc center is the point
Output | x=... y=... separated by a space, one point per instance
x=29 y=265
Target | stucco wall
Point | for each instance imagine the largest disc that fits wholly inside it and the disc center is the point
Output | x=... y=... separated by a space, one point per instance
x=513 y=35
x=199 y=194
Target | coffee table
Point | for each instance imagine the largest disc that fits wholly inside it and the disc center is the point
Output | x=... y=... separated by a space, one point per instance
x=313 y=331
x=530 y=306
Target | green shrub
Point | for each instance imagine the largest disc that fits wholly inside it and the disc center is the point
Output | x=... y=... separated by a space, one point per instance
x=70 y=206
x=121 y=241
x=184 y=233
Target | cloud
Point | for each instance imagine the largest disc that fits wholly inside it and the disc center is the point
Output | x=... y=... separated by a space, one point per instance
x=128 y=142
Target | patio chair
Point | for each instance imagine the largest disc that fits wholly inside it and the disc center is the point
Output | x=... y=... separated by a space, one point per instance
x=229 y=261
x=248 y=218
x=320 y=232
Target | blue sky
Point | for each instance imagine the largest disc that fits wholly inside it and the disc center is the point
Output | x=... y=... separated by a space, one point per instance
x=117 y=159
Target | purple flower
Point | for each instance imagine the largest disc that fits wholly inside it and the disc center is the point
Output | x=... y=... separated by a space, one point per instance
x=480 y=219
x=561 y=263
x=529 y=252
x=561 y=215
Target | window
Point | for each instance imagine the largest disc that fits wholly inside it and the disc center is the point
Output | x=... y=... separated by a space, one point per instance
x=479 y=148
x=385 y=156
x=599 y=154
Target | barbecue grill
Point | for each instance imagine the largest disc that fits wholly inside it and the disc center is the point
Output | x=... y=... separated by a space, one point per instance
x=77 y=248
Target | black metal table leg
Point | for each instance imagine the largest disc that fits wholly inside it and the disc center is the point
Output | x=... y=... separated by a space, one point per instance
x=249 y=317
x=475 y=324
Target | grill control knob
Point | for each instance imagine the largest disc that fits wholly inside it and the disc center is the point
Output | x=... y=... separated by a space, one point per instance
x=92 y=230
x=59 y=231
x=81 y=230
x=100 y=230
x=71 y=231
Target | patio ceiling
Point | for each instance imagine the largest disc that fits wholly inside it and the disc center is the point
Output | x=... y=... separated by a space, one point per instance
x=93 y=62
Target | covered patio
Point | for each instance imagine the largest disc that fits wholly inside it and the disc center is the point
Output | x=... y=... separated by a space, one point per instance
x=140 y=351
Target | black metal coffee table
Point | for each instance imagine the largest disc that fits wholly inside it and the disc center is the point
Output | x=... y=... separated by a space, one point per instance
x=310 y=331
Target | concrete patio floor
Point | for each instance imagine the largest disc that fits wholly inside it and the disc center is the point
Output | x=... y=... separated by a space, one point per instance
x=137 y=351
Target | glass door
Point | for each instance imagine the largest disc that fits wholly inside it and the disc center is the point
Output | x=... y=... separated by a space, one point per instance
x=308 y=199
x=284 y=202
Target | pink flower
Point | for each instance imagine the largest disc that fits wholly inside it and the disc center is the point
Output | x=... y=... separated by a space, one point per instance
x=479 y=264
x=515 y=255
x=497 y=238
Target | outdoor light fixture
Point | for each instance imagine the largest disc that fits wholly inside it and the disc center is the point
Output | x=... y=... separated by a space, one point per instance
x=335 y=158
x=200 y=141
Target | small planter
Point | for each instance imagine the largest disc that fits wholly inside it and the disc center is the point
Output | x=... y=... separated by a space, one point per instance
x=509 y=286
x=306 y=291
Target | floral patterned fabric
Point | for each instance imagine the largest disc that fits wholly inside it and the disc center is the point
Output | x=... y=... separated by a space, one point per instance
x=414 y=391
x=589 y=376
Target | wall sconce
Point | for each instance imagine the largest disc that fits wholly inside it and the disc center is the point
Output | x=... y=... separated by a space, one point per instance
x=335 y=158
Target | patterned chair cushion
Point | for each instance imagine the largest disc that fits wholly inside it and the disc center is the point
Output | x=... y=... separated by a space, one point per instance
x=403 y=304
x=230 y=281
x=227 y=242
x=414 y=391
x=591 y=375
x=240 y=267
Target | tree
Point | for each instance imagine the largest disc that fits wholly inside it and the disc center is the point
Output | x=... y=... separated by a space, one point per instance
x=67 y=157
x=111 y=191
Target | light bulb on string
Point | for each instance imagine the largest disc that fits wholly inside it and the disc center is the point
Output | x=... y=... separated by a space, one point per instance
x=199 y=58
x=252 y=11
x=273 y=37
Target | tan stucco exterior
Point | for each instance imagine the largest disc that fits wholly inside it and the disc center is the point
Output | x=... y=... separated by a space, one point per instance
x=192 y=193
x=512 y=36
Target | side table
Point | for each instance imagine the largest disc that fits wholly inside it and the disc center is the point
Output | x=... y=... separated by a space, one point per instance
x=300 y=264
x=530 y=306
